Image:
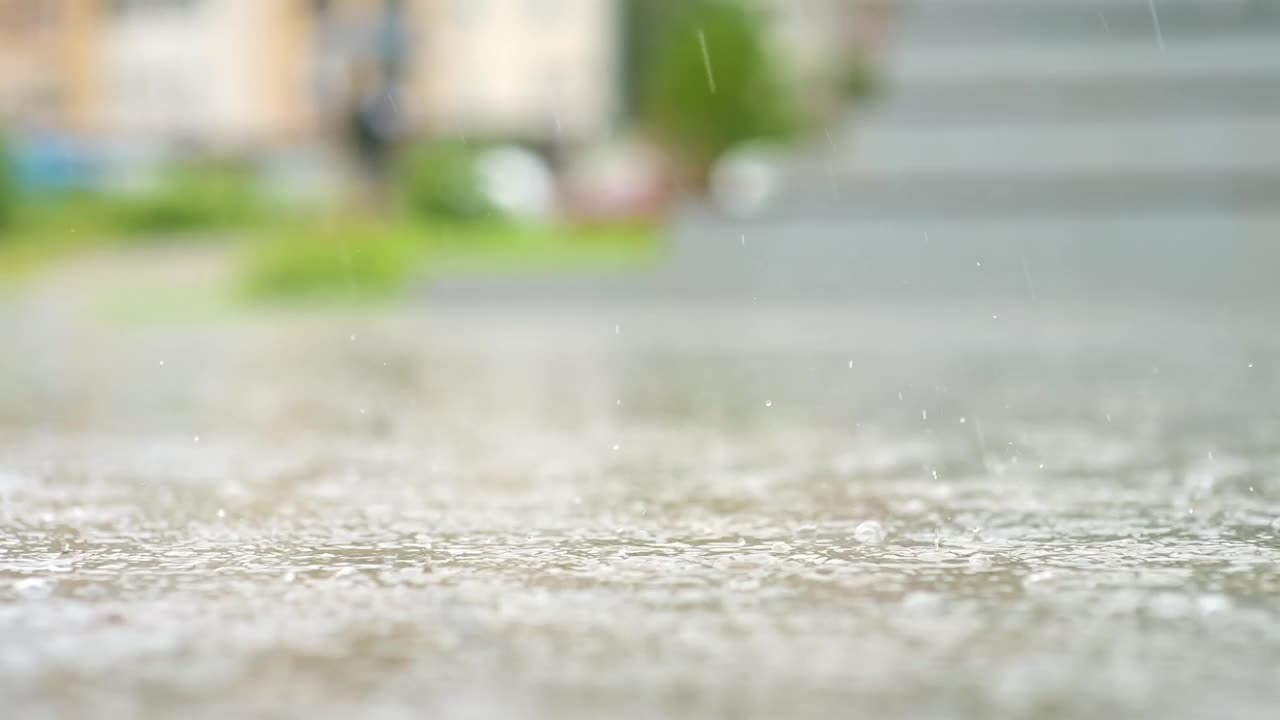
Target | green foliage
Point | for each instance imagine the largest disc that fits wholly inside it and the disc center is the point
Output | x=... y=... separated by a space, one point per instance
x=341 y=259
x=8 y=188
x=700 y=114
x=439 y=181
x=189 y=199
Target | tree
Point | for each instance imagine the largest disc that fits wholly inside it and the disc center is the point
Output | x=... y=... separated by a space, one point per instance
x=713 y=84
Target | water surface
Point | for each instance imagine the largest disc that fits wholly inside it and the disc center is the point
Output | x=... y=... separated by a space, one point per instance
x=641 y=513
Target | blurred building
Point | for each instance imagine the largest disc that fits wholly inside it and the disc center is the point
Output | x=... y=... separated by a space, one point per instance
x=211 y=72
x=46 y=62
x=525 y=69
x=243 y=73
x=217 y=72
x=817 y=39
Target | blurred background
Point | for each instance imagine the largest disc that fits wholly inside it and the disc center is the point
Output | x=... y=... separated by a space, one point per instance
x=639 y=358
x=513 y=133
x=341 y=148
x=361 y=148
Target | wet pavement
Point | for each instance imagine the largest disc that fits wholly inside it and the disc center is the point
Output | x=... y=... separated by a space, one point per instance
x=917 y=511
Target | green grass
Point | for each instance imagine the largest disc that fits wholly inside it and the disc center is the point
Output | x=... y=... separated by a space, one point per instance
x=43 y=231
x=361 y=260
x=341 y=259
x=331 y=257
x=192 y=200
x=507 y=248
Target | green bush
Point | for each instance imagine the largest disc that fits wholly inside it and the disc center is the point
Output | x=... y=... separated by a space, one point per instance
x=335 y=260
x=699 y=112
x=439 y=181
x=189 y=199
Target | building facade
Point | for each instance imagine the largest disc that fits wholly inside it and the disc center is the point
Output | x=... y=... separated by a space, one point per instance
x=527 y=69
x=242 y=73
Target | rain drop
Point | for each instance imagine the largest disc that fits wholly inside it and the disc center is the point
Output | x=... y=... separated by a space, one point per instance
x=34 y=586
x=979 y=562
x=1213 y=603
x=869 y=532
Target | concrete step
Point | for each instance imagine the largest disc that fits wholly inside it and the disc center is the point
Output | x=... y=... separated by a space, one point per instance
x=1114 y=97
x=1022 y=57
x=1158 y=145
x=979 y=22
x=855 y=197
x=1202 y=257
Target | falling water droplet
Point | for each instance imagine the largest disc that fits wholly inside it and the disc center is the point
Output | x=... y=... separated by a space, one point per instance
x=979 y=562
x=1213 y=603
x=1155 y=24
x=768 y=403
x=1038 y=578
x=34 y=586
x=706 y=61
x=869 y=532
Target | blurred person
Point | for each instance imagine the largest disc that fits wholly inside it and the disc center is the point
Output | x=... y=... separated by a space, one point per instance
x=373 y=127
